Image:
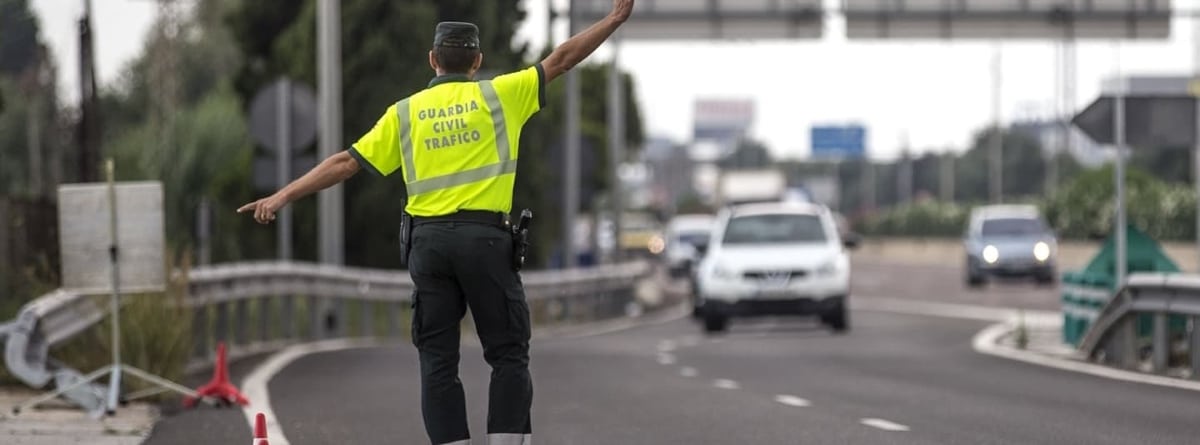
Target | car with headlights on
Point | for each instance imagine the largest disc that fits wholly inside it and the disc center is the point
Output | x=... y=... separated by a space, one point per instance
x=1009 y=241
x=774 y=259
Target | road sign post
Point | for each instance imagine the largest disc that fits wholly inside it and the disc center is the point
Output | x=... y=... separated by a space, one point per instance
x=283 y=118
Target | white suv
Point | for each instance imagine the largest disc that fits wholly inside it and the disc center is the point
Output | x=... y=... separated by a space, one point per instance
x=775 y=259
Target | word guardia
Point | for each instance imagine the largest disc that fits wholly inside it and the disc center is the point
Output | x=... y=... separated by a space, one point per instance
x=451 y=126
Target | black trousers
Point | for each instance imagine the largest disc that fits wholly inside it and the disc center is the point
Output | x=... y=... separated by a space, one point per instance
x=455 y=266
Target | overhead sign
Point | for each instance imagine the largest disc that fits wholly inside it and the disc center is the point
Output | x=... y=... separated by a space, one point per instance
x=838 y=142
x=85 y=237
x=1008 y=19
x=1159 y=112
x=713 y=19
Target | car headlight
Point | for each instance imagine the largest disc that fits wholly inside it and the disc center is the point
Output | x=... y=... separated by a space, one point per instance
x=656 y=245
x=991 y=254
x=1041 y=251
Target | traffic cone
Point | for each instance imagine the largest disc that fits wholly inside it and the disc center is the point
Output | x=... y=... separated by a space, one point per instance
x=260 y=429
x=219 y=387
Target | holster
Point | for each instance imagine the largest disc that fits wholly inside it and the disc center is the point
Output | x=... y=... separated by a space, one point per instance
x=406 y=228
x=520 y=239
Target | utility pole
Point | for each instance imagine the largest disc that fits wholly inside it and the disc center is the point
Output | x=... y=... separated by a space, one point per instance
x=88 y=132
x=616 y=138
x=946 y=185
x=996 y=153
x=329 y=78
x=571 y=169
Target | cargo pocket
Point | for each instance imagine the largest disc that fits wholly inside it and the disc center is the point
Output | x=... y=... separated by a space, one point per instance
x=416 y=320
x=518 y=315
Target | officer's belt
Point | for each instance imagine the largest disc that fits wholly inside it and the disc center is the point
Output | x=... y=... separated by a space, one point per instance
x=467 y=216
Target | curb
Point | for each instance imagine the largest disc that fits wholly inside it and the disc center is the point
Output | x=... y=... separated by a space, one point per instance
x=988 y=342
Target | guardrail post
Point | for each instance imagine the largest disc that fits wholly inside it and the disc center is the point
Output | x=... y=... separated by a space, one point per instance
x=287 y=318
x=316 y=319
x=1195 y=347
x=1122 y=345
x=222 y=325
x=264 y=319
x=367 y=325
x=1162 y=344
x=395 y=311
x=241 y=320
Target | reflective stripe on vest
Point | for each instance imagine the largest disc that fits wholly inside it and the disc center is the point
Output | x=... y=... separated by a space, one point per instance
x=505 y=166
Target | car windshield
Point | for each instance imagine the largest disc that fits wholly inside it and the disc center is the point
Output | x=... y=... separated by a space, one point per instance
x=1013 y=227
x=786 y=228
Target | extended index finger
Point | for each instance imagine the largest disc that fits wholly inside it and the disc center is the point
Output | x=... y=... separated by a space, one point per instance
x=247 y=207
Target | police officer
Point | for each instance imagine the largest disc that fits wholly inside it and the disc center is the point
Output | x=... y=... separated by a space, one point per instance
x=455 y=143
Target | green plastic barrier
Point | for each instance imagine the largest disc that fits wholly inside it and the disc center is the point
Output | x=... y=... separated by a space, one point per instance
x=1086 y=292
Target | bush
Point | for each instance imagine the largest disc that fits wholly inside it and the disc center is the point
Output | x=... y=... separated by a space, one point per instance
x=1085 y=208
x=929 y=218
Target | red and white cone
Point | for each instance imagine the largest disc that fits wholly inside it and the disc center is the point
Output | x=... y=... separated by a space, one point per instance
x=260 y=429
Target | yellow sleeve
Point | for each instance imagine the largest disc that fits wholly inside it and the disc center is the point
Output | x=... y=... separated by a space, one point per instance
x=379 y=149
x=522 y=93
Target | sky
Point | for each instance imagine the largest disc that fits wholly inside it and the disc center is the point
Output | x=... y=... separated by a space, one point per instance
x=921 y=95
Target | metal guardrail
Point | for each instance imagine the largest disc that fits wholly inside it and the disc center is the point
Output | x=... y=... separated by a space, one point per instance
x=1166 y=306
x=274 y=297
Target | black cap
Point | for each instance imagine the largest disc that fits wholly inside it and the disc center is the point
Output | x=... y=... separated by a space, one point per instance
x=456 y=35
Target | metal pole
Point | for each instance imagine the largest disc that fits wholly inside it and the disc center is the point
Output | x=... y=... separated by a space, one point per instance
x=283 y=161
x=114 y=380
x=329 y=69
x=1119 y=170
x=996 y=155
x=947 y=182
x=616 y=139
x=1196 y=150
x=571 y=169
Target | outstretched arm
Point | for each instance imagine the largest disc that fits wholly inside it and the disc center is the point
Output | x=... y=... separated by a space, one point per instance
x=333 y=170
x=580 y=46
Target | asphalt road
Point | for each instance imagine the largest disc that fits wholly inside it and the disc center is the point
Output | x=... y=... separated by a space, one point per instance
x=895 y=379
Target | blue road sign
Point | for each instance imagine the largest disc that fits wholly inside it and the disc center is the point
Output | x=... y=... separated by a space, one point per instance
x=839 y=142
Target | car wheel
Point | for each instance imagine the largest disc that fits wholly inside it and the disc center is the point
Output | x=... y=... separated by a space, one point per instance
x=714 y=323
x=838 y=318
x=975 y=281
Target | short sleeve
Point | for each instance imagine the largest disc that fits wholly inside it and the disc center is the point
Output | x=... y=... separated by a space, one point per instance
x=379 y=149
x=522 y=93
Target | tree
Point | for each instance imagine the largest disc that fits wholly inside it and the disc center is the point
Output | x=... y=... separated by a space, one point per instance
x=20 y=40
x=749 y=154
x=1023 y=167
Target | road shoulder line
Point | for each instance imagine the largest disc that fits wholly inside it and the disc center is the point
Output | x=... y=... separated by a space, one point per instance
x=987 y=342
x=255 y=384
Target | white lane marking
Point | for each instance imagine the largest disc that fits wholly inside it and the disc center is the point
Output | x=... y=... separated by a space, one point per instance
x=255 y=383
x=884 y=424
x=666 y=345
x=987 y=342
x=688 y=371
x=792 y=400
x=726 y=384
x=666 y=359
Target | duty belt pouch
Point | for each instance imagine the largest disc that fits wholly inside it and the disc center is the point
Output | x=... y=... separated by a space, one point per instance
x=520 y=237
x=406 y=228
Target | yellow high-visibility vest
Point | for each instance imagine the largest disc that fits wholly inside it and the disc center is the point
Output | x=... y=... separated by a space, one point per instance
x=456 y=142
